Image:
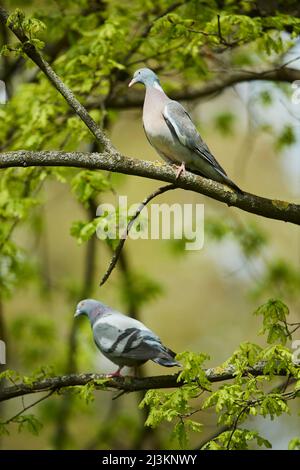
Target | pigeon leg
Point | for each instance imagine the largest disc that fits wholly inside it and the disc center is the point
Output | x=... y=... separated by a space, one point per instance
x=180 y=169
x=115 y=374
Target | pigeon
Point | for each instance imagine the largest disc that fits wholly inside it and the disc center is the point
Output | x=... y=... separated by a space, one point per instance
x=171 y=131
x=124 y=340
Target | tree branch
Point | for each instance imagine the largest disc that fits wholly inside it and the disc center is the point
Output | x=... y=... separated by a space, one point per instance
x=135 y=98
x=221 y=429
x=111 y=160
x=270 y=208
x=118 y=250
x=43 y=65
x=26 y=408
x=126 y=384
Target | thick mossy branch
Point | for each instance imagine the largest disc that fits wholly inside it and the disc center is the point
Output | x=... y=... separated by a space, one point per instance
x=115 y=162
x=125 y=384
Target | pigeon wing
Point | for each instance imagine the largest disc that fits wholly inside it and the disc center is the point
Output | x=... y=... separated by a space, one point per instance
x=132 y=343
x=184 y=130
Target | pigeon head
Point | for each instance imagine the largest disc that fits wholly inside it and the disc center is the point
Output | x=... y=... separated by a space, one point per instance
x=91 y=308
x=145 y=76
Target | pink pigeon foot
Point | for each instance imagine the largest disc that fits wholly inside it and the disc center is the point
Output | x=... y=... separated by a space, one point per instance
x=115 y=374
x=180 y=169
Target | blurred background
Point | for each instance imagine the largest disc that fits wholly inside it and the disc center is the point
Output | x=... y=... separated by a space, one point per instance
x=200 y=301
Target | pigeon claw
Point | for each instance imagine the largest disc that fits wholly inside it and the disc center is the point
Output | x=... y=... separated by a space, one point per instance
x=180 y=169
x=115 y=374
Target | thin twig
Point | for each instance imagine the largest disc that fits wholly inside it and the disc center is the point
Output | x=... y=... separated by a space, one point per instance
x=222 y=39
x=26 y=408
x=221 y=429
x=118 y=395
x=295 y=329
x=235 y=424
x=285 y=64
x=119 y=248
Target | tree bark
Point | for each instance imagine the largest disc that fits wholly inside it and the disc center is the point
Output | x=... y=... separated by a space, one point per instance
x=125 y=384
x=115 y=162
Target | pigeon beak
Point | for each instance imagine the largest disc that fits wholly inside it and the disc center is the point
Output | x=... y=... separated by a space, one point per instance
x=77 y=313
x=132 y=82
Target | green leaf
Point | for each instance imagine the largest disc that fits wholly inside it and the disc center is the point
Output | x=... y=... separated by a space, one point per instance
x=266 y=98
x=29 y=423
x=239 y=439
x=274 y=313
x=88 y=184
x=294 y=444
x=286 y=138
x=83 y=231
x=224 y=123
x=179 y=432
x=3 y=429
x=193 y=369
x=86 y=392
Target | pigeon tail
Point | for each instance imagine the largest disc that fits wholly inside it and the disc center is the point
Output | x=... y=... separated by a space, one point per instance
x=166 y=358
x=162 y=361
x=225 y=179
x=230 y=183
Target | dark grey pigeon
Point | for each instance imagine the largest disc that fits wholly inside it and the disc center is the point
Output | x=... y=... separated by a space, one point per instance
x=172 y=133
x=123 y=340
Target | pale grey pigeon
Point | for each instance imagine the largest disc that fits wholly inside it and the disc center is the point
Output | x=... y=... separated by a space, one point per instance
x=170 y=130
x=124 y=340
